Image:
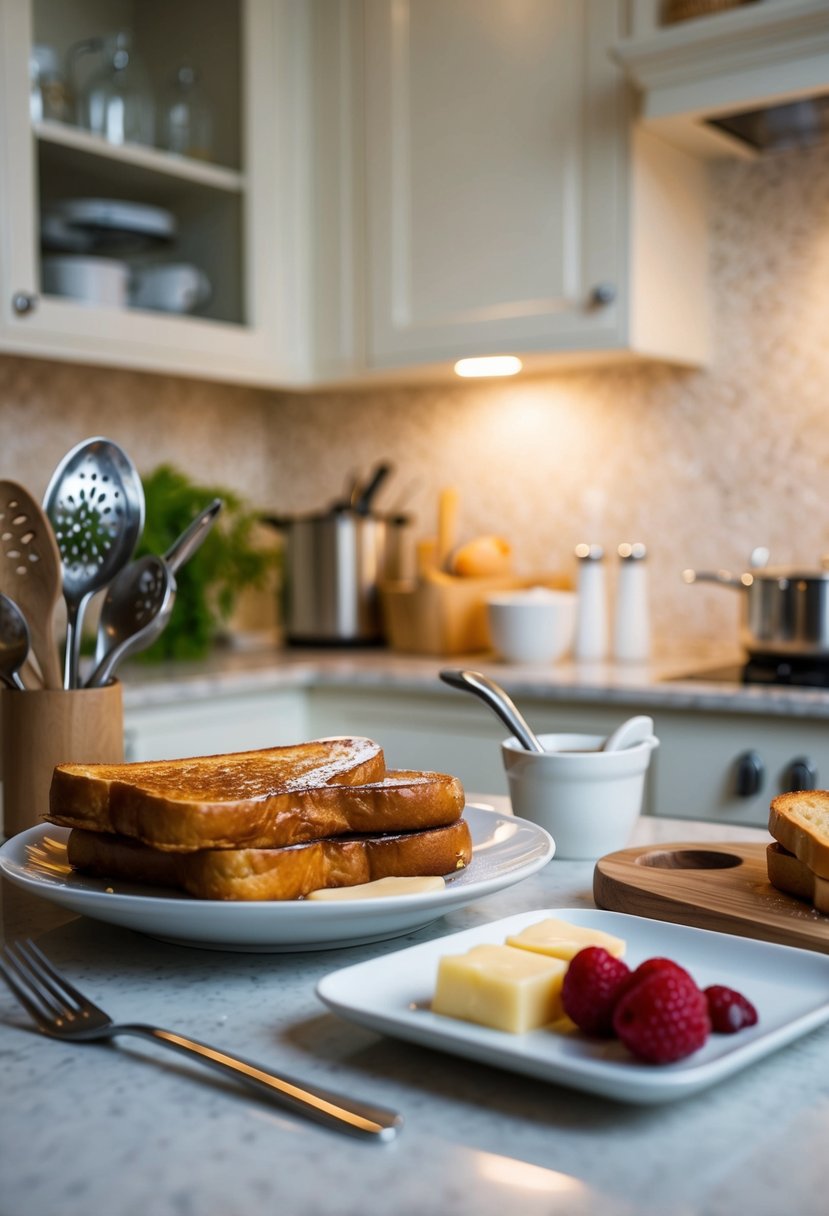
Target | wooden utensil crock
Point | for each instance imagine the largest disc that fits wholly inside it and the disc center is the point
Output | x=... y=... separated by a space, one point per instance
x=45 y=727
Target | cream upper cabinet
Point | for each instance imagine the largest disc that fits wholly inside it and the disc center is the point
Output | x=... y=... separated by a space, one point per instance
x=386 y=186
x=194 y=174
x=509 y=207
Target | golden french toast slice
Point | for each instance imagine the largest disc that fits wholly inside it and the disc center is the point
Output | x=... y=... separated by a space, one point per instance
x=280 y=874
x=402 y=801
x=83 y=795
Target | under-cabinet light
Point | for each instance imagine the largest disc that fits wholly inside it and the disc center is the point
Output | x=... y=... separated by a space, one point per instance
x=491 y=365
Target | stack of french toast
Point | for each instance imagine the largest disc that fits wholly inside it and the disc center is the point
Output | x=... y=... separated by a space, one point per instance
x=798 y=858
x=274 y=824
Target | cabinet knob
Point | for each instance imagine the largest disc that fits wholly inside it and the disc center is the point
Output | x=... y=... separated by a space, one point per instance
x=750 y=775
x=603 y=294
x=23 y=302
x=801 y=774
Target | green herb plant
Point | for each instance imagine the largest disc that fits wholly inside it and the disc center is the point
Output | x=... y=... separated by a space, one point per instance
x=209 y=583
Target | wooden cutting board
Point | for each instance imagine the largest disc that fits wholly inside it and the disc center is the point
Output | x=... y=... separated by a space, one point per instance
x=713 y=886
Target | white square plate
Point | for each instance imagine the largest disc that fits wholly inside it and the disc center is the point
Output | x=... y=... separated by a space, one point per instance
x=790 y=989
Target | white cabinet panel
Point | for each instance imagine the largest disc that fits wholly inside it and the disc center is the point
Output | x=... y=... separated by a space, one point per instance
x=200 y=726
x=700 y=755
x=505 y=198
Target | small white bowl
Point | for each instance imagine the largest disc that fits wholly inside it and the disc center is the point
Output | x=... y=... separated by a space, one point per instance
x=588 y=800
x=93 y=280
x=534 y=626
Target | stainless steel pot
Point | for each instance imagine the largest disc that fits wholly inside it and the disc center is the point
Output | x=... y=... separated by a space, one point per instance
x=334 y=564
x=785 y=609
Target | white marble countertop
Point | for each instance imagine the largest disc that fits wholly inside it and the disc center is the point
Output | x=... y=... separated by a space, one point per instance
x=669 y=682
x=132 y=1130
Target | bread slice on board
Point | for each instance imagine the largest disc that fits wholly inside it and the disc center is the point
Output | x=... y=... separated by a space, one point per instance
x=788 y=873
x=800 y=822
x=81 y=795
x=280 y=874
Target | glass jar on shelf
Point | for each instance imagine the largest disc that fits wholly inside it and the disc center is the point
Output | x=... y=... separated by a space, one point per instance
x=49 y=96
x=187 y=119
x=117 y=101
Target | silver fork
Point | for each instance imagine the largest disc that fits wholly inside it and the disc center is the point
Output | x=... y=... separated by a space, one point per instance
x=63 y=1012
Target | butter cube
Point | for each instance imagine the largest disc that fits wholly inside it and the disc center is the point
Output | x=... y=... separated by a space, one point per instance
x=560 y=939
x=498 y=986
x=380 y=888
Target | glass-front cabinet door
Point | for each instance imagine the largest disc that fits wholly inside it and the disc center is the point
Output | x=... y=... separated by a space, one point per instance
x=140 y=213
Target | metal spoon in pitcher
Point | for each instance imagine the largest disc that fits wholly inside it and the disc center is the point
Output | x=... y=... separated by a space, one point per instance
x=136 y=609
x=140 y=599
x=496 y=698
x=95 y=502
x=14 y=643
x=193 y=536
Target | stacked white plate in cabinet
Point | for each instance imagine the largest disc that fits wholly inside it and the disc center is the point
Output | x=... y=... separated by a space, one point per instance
x=86 y=240
x=102 y=225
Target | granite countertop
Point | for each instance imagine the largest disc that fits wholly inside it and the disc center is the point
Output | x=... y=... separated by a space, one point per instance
x=675 y=681
x=136 y=1131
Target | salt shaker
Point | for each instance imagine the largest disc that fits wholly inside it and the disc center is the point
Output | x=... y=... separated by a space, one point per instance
x=590 y=642
x=631 y=634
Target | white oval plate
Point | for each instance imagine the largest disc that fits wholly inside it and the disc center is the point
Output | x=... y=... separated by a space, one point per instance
x=505 y=851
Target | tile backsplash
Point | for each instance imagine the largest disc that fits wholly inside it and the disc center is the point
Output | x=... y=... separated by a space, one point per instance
x=701 y=466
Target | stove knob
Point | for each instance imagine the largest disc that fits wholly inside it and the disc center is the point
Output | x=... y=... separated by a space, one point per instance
x=800 y=775
x=750 y=775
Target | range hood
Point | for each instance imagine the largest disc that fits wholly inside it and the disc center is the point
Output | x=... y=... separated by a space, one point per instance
x=741 y=82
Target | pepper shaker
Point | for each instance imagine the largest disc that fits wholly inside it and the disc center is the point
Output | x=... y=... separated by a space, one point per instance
x=590 y=644
x=631 y=636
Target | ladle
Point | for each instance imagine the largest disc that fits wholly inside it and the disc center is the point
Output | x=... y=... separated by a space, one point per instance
x=95 y=502
x=136 y=609
x=14 y=643
x=192 y=537
x=140 y=599
x=632 y=732
x=497 y=699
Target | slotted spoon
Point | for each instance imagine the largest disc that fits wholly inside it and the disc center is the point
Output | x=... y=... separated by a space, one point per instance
x=95 y=502
x=30 y=572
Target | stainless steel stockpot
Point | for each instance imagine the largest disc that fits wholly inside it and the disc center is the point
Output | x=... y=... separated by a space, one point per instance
x=334 y=564
x=785 y=609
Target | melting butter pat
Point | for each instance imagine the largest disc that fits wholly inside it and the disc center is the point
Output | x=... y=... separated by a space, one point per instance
x=501 y=987
x=381 y=888
x=560 y=939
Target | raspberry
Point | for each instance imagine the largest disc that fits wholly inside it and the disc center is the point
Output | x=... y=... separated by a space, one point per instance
x=590 y=987
x=728 y=1010
x=650 y=967
x=663 y=1017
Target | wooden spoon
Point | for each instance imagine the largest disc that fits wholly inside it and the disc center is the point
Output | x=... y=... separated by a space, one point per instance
x=30 y=572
